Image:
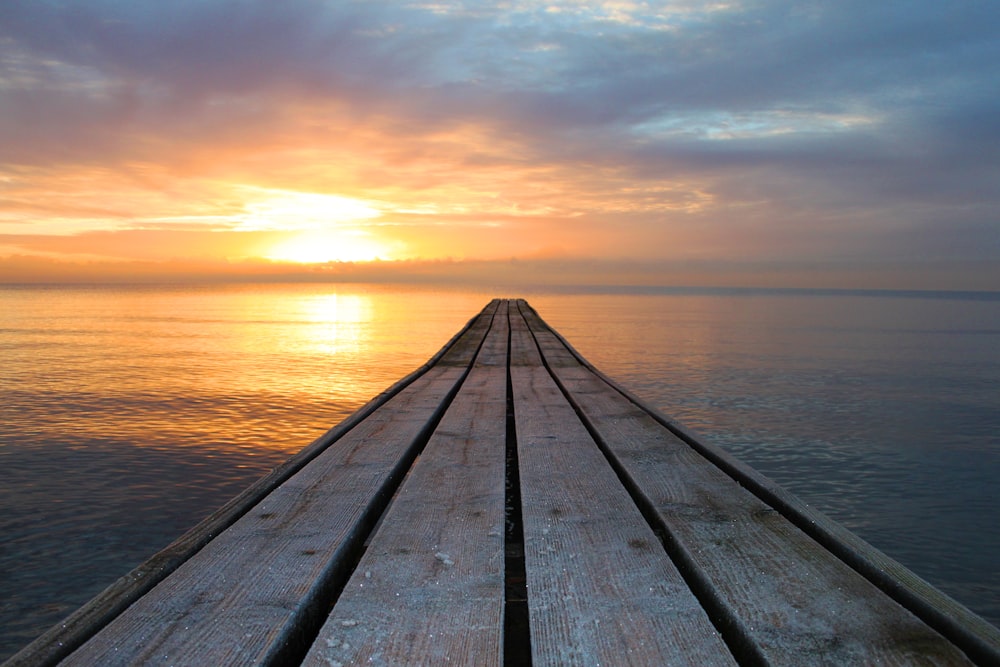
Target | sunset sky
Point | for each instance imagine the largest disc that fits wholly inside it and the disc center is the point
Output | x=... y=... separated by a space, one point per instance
x=839 y=143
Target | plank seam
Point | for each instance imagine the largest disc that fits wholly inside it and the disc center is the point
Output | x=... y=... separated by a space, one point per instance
x=72 y=632
x=732 y=630
x=970 y=633
x=516 y=616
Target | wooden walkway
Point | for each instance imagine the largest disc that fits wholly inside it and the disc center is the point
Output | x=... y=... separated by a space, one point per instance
x=508 y=504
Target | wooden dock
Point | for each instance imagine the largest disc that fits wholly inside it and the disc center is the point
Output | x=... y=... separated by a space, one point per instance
x=508 y=504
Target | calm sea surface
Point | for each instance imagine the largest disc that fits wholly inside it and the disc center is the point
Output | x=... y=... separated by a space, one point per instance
x=128 y=414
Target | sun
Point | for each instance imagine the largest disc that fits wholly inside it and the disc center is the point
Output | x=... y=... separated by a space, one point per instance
x=316 y=246
x=316 y=228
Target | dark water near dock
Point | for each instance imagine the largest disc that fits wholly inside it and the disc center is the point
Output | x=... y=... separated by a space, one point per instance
x=127 y=414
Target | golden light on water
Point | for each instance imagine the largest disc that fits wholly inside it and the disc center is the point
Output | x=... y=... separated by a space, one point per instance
x=340 y=322
x=337 y=309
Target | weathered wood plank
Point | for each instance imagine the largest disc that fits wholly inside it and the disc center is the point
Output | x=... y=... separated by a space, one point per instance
x=779 y=589
x=601 y=590
x=429 y=589
x=249 y=595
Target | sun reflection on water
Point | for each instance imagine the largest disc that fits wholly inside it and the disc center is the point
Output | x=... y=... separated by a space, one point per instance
x=340 y=321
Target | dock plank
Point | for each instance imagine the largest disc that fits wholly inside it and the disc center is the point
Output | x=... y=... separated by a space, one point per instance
x=429 y=589
x=601 y=590
x=789 y=598
x=246 y=597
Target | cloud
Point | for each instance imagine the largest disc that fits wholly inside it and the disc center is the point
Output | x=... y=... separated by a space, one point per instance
x=646 y=130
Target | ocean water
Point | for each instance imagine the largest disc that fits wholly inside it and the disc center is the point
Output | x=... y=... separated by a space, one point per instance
x=128 y=414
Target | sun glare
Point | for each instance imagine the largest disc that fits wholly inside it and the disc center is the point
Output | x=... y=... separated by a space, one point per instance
x=321 y=227
x=283 y=209
x=329 y=245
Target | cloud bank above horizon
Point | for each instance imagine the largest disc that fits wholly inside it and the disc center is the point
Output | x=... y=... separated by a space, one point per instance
x=770 y=135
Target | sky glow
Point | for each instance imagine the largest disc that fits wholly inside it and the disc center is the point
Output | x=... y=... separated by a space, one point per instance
x=824 y=143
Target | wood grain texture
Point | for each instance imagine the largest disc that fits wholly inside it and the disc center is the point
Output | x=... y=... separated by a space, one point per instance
x=793 y=599
x=429 y=589
x=979 y=639
x=243 y=598
x=601 y=590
